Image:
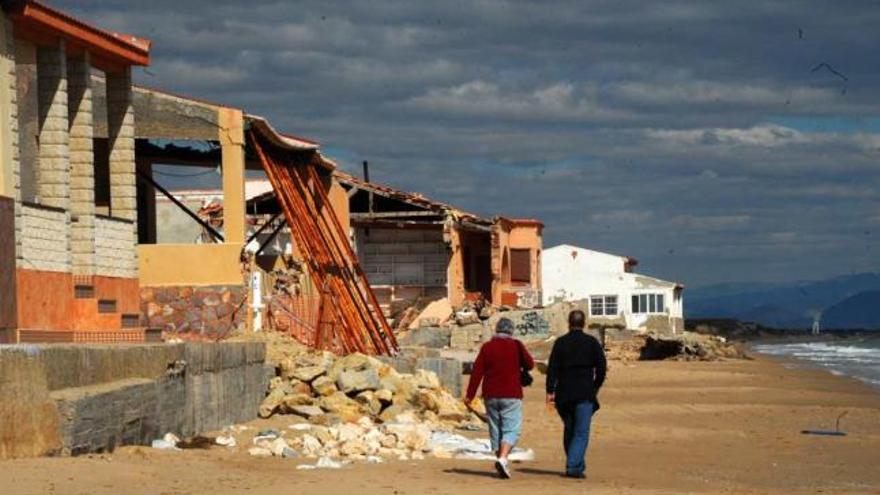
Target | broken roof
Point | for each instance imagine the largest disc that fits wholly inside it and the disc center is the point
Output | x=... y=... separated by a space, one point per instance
x=415 y=199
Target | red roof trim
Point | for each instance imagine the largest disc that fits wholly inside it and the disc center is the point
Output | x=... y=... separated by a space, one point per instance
x=113 y=46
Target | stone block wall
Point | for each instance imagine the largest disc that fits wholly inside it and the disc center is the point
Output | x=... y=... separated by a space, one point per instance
x=212 y=311
x=115 y=247
x=69 y=400
x=44 y=241
x=53 y=177
x=82 y=168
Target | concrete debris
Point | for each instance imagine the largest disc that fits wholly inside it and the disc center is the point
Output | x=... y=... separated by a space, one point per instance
x=437 y=313
x=359 y=409
x=225 y=440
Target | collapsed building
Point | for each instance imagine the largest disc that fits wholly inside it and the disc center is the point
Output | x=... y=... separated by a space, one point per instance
x=79 y=257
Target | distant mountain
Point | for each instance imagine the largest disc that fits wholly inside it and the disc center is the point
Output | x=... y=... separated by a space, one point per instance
x=778 y=305
x=859 y=311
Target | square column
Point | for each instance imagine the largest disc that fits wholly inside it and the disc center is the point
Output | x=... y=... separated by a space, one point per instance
x=231 y=136
x=82 y=166
x=120 y=133
x=53 y=171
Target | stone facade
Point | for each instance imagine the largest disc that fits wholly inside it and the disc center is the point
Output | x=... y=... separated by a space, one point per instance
x=44 y=239
x=113 y=240
x=53 y=177
x=82 y=168
x=213 y=311
x=120 y=128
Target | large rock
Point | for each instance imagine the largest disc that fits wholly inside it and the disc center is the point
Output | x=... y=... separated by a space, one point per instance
x=354 y=381
x=307 y=373
x=324 y=386
x=290 y=401
x=390 y=414
x=426 y=379
x=307 y=411
x=369 y=402
x=337 y=402
x=272 y=401
x=441 y=402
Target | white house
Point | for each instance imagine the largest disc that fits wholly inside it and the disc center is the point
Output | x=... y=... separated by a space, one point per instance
x=615 y=293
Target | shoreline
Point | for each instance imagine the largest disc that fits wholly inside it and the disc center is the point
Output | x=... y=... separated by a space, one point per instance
x=798 y=363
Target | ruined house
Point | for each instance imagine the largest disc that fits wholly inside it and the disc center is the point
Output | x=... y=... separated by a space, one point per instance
x=80 y=260
x=615 y=295
x=413 y=247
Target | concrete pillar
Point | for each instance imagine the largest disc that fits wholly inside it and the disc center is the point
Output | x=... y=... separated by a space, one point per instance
x=82 y=165
x=120 y=131
x=7 y=93
x=231 y=135
x=53 y=172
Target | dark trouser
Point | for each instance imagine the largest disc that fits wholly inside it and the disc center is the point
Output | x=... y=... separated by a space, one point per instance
x=576 y=418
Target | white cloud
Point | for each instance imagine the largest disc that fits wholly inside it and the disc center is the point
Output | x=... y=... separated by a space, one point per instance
x=561 y=100
x=764 y=135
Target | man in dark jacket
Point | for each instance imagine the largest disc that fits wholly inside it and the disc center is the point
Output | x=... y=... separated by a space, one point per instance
x=575 y=373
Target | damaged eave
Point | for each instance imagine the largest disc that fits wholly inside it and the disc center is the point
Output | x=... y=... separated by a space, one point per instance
x=428 y=206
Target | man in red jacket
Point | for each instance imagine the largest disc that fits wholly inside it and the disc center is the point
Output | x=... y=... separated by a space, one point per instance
x=499 y=367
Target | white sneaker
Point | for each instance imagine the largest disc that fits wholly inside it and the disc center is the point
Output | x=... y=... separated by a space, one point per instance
x=503 y=468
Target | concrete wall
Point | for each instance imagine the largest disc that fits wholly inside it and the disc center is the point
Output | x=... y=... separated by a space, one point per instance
x=77 y=399
x=190 y=264
x=114 y=248
x=44 y=239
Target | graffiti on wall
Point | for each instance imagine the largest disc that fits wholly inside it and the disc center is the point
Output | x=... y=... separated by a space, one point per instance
x=532 y=324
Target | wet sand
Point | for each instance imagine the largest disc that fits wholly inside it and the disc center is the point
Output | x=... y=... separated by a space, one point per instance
x=665 y=427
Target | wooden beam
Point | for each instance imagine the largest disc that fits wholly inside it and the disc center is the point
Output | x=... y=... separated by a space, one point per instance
x=394 y=214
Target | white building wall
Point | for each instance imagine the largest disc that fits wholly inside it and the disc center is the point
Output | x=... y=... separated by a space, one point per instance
x=571 y=273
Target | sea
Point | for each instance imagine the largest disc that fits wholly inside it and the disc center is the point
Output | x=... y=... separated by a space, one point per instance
x=855 y=357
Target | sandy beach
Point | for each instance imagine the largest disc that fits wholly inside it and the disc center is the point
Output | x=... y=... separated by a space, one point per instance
x=665 y=427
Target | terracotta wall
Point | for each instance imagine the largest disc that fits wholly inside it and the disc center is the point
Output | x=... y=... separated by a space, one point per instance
x=45 y=300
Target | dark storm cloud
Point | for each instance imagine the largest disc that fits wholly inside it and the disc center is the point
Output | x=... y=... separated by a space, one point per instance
x=646 y=128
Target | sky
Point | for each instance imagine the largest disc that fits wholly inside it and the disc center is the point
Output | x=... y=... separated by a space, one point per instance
x=715 y=141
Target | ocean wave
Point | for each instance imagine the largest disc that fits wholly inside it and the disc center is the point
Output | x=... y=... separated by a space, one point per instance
x=854 y=361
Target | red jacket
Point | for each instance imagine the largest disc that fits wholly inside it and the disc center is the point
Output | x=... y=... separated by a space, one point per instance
x=498 y=366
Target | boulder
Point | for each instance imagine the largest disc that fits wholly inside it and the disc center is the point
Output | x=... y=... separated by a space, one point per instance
x=271 y=402
x=324 y=386
x=307 y=373
x=298 y=387
x=292 y=400
x=369 y=402
x=384 y=396
x=307 y=411
x=427 y=379
x=391 y=413
x=354 y=381
x=337 y=402
x=447 y=407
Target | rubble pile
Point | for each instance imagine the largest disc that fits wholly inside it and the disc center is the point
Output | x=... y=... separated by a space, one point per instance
x=690 y=347
x=327 y=390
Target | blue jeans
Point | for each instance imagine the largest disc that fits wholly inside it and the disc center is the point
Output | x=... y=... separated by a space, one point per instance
x=576 y=418
x=505 y=421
